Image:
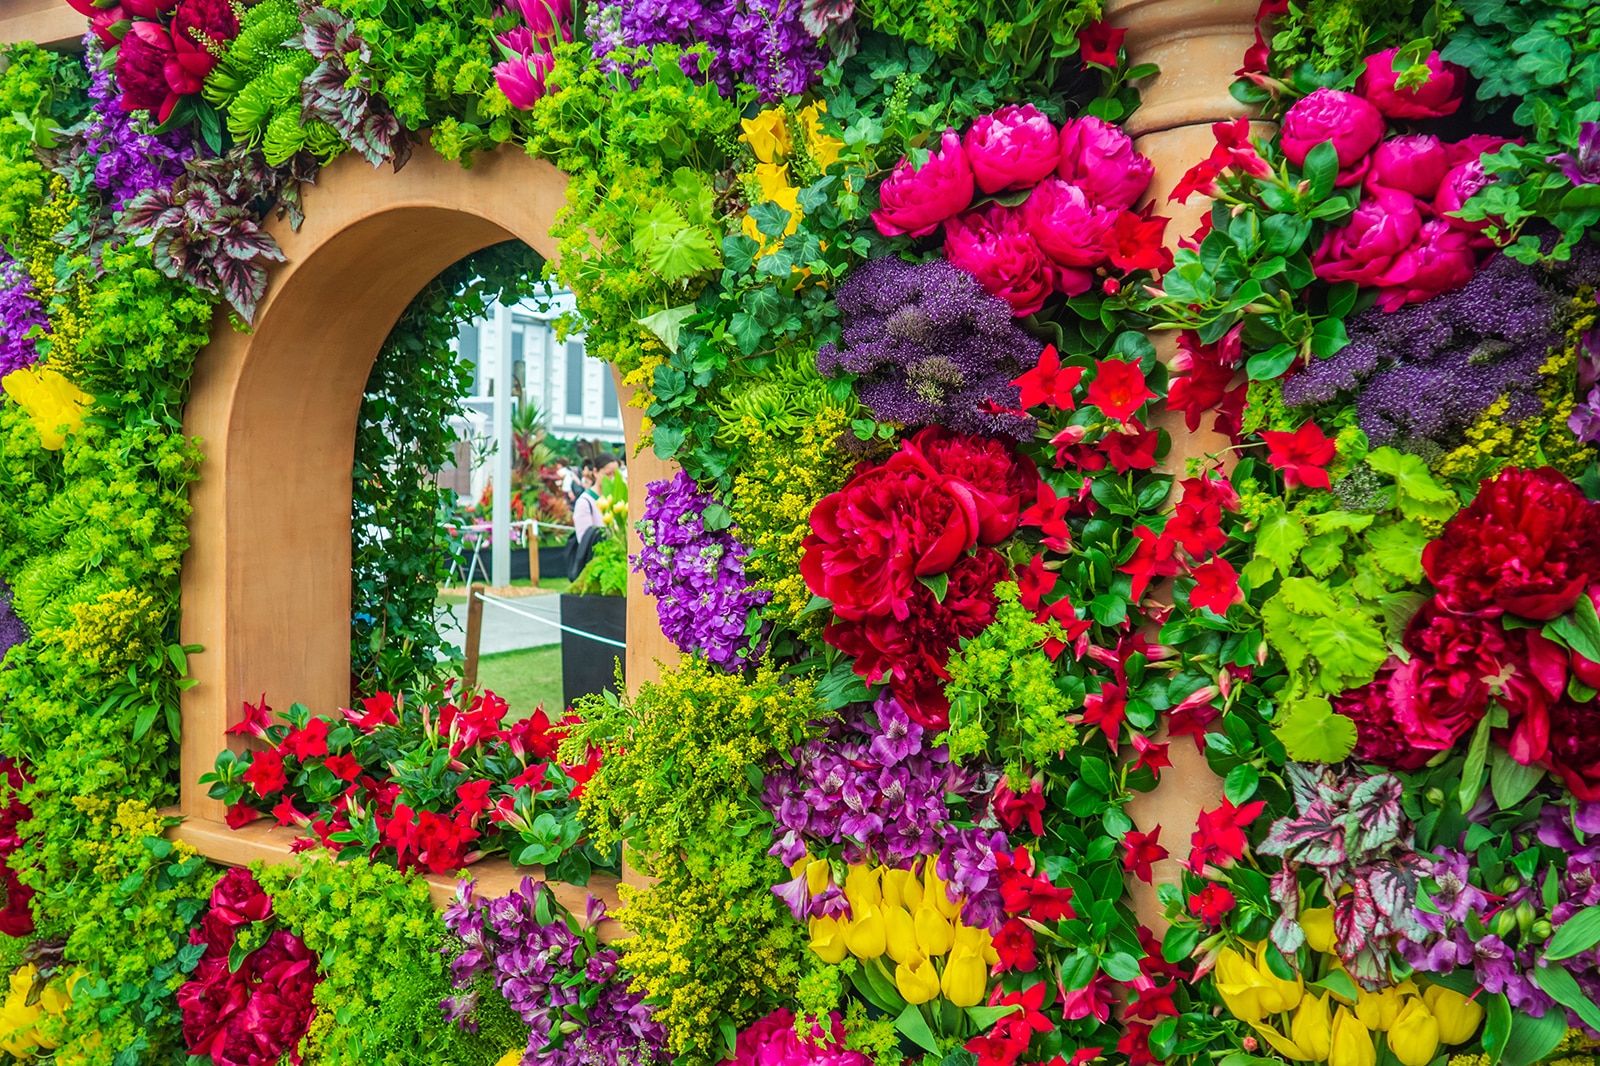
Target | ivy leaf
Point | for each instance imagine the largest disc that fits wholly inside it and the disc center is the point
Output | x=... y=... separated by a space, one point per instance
x=1311 y=731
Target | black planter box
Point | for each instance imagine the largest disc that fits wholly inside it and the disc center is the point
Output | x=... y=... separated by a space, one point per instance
x=588 y=666
x=552 y=563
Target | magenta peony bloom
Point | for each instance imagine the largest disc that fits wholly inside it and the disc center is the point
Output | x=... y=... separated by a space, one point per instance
x=146 y=9
x=1365 y=248
x=1440 y=260
x=1012 y=148
x=523 y=80
x=1414 y=164
x=201 y=30
x=995 y=247
x=1069 y=228
x=1460 y=184
x=1100 y=159
x=772 y=1042
x=1437 y=97
x=142 y=63
x=1475 y=146
x=1353 y=125
x=915 y=202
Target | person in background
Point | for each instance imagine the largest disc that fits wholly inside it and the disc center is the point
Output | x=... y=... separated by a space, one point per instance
x=586 y=512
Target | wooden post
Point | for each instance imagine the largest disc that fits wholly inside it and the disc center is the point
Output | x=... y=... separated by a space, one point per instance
x=474 y=633
x=533 y=553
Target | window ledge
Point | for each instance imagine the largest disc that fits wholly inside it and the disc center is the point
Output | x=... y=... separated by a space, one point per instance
x=269 y=842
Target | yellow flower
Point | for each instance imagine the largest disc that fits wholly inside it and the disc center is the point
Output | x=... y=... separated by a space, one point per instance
x=824 y=149
x=933 y=931
x=901 y=933
x=1279 y=995
x=1312 y=1028
x=934 y=891
x=1414 y=1036
x=966 y=972
x=1458 y=1016
x=1378 y=1010
x=768 y=135
x=511 y=1058
x=1240 y=986
x=54 y=403
x=901 y=889
x=818 y=876
x=828 y=939
x=1318 y=926
x=916 y=979
x=1352 y=1044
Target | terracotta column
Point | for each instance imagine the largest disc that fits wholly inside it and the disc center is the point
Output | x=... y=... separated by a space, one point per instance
x=648 y=648
x=1197 y=44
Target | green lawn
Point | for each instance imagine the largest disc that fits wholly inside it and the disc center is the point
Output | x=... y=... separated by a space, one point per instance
x=524 y=679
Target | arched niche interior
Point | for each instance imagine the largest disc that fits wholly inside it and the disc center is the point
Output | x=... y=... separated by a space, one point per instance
x=266 y=582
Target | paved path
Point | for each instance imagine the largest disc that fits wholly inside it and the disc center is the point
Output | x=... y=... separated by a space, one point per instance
x=504 y=631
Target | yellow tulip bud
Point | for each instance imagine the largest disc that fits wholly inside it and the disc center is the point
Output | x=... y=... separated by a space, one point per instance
x=934 y=892
x=934 y=935
x=1239 y=986
x=966 y=979
x=910 y=891
x=1458 y=1016
x=916 y=979
x=827 y=939
x=902 y=933
x=1414 y=1036
x=819 y=875
x=975 y=940
x=1312 y=1027
x=1283 y=1045
x=862 y=887
x=1352 y=1044
x=1378 y=1010
x=1318 y=926
x=868 y=935
x=894 y=886
x=1279 y=995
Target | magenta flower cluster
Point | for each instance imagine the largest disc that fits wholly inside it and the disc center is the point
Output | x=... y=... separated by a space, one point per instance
x=126 y=161
x=696 y=572
x=573 y=998
x=753 y=42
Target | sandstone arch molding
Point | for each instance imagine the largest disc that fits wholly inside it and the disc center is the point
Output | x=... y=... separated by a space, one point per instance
x=266 y=582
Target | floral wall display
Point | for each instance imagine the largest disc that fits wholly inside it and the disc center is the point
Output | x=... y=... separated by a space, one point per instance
x=1000 y=504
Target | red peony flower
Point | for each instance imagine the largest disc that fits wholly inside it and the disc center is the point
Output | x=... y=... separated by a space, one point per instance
x=238 y=898
x=1118 y=389
x=1211 y=904
x=1440 y=694
x=1574 y=747
x=201 y=30
x=1143 y=849
x=1302 y=455
x=1528 y=545
x=1379 y=736
x=257 y=1015
x=1000 y=480
x=997 y=246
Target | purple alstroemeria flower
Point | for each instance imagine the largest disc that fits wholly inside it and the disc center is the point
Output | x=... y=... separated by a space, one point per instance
x=1583 y=168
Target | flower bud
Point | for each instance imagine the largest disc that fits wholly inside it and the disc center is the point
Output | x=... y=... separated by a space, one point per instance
x=1414 y=1037
x=1278 y=995
x=916 y=980
x=827 y=939
x=1239 y=986
x=1508 y=884
x=1458 y=1016
x=1378 y=1010
x=1317 y=923
x=867 y=936
x=1504 y=923
x=1541 y=930
x=966 y=979
x=935 y=892
x=1435 y=796
x=1525 y=916
x=1352 y=1044
x=933 y=932
x=901 y=933
x=1312 y=1029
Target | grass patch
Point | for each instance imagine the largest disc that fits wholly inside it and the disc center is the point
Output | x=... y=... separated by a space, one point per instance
x=525 y=679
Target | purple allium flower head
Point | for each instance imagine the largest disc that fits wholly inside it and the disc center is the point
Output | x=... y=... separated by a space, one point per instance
x=20 y=311
x=12 y=631
x=126 y=161
x=695 y=573
x=929 y=345
x=548 y=977
x=1428 y=371
x=1583 y=168
x=762 y=43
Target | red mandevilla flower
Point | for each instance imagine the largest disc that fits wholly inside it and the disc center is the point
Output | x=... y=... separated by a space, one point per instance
x=1212 y=904
x=1143 y=849
x=1118 y=389
x=1216 y=586
x=1220 y=838
x=1099 y=42
x=1302 y=455
x=1049 y=383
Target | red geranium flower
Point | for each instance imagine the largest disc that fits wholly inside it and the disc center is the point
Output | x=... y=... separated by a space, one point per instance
x=1143 y=849
x=1118 y=389
x=1049 y=383
x=1220 y=838
x=1302 y=455
x=1529 y=545
x=1100 y=43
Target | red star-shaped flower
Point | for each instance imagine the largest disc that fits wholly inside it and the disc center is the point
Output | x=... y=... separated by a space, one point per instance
x=1049 y=516
x=1101 y=43
x=1216 y=586
x=1220 y=838
x=1143 y=849
x=1153 y=558
x=1152 y=756
x=1118 y=389
x=257 y=717
x=1049 y=383
x=1303 y=455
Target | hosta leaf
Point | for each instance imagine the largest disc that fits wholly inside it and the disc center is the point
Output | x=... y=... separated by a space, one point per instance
x=1311 y=731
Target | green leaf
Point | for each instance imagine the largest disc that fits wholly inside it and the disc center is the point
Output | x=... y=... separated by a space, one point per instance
x=914 y=1027
x=1477 y=758
x=1120 y=966
x=1578 y=933
x=1532 y=1039
x=1339 y=983
x=1321 y=169
x=671 y=247
x=1420 y=495
x=667 y=324
x=1562 y=987
x=1241 y=783
x=1310 y=731
x=1509 y=780
x=1280 y=536
x=985 y=1017
x=1578 y=629
x=144 y=720
x=938 y=584
x=1180 y=942
x=1350 y=647
x=1270 y=364
x=1397 y=548
x=1096 y=774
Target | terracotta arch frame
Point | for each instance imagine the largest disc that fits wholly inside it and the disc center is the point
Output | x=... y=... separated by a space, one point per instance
x=266 y=584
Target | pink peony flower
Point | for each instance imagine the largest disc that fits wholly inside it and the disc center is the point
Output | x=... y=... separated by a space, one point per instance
x=1437 y=97
x=1414 y=164
x=1460 y=184
x=1100 y=159
x=142 y=61
x=995 y=247
x=1440 y=260
x=1069 y=227
x=1012 y=148
x=1353 y=125
x=1364 y=248
x=772 y=1042
x=915 y=202
x=1475 y=146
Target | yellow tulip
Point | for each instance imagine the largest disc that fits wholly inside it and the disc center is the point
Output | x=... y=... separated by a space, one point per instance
x=828 y=939
x=824 y=149
x=902 y=933
x=1283 y=1045
x=910 y=890
x=966 y=978
x=1239 y=986
x=1352 y=1044
x=1312 y=1028
x=1414 y=1036
x=916 y=979
x=862 y=887
x=1458 y=1016
x=934 y=890
x=1279 y=995
x=867 y=936
x=768 y=135
x=819 y=875
x=1378 y=1010
x=976 y=941
x=1318 y=926
x=934 y=934
x=55 y=404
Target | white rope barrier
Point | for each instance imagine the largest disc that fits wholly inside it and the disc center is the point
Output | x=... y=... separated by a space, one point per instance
x=506 y=605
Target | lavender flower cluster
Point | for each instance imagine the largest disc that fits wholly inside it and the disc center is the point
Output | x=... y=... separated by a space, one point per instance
x=12 y=631
x=762 y=43
x=20 y=311
x=1428 y=371
x=574 y=1000
x=876 y=785
x=929 y=345
x=696 y=573
x=1516 y=919
x=126 y=161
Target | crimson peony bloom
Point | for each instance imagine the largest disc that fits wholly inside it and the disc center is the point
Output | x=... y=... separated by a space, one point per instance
x=1380 y=738
x=1143 y=849
x=1118 y=389
x=1528 y=545
x=1302 y=455
x=142 y=61
x=1574 y=751
x=1414 y=164
x=201 y=30
x=1049 y=383
x=1382 y=227
x=1442 y=259
x=1437 y=97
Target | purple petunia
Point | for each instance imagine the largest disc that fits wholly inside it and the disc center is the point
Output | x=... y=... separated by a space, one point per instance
x=541 y=967
x=696 y=573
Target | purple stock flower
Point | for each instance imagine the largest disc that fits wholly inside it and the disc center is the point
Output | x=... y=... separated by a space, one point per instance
x=20 y=311
x=542 y=968
x=126 y=161
x=12 y=631
x=929 y=345
x=696 y=573
x=1584 y=168
x=763 y=43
